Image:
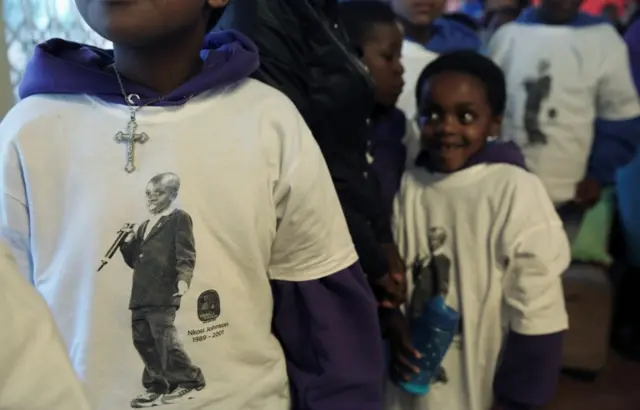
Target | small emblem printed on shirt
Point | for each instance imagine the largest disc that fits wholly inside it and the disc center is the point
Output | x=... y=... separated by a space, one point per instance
x=208 y=310
x=208 y=306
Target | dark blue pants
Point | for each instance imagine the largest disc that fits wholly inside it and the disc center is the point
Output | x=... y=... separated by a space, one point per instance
x=166 y=364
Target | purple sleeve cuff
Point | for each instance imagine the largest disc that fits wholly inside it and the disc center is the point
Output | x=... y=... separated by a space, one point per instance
x=528 y=373
x=330 y=334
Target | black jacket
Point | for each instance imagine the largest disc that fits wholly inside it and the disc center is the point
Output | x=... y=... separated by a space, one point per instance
x=160 y=260
x=305 y=54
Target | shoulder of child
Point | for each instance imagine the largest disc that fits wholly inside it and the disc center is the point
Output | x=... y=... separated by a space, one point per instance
x=608 y=34
x=258 y=90
x=37 y=115
x=520 y=179
x=525 y=195
x=182 y=215
x=416 y=176
x=505 y=31
x=38 y=108
x=270 y=101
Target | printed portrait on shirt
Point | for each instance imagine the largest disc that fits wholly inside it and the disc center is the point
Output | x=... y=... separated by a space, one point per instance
x=538 y=90
x=161 y=252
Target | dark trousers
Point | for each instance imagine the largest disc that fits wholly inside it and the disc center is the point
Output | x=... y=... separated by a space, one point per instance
x=166 y=364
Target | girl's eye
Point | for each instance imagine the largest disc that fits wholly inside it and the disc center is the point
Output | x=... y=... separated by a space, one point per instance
x=433 y=116
x=467 y=117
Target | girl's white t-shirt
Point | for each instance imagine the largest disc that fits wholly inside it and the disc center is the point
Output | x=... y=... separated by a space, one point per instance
x=505 y=250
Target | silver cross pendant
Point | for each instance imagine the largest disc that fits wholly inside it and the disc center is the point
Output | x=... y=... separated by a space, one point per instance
x=131 y=138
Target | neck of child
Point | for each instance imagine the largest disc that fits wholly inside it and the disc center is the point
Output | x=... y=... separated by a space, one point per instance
x=161 y=67
x=420 y=34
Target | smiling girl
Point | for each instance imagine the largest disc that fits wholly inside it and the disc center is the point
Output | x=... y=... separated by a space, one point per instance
x=503 y=242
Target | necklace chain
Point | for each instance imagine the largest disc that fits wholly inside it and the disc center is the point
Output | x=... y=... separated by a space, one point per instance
x=133 y=108
x=131 y=137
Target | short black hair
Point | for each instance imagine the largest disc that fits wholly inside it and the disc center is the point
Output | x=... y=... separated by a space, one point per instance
x=216 y=14
x=473 y=64
x=359 y=16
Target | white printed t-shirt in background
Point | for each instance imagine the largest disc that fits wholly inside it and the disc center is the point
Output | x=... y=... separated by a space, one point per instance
x=414 y=59
x=35 y=372
x=503 y=248
x=559 y=80
x=256 y=203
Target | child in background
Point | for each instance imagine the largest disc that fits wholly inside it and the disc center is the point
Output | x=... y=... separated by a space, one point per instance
x=498 y=238
x=34 y=365
x=278 y=314
x=575 y=130
x=427 y=34
x=305 y=53
x=372 y=27
x=423 y=24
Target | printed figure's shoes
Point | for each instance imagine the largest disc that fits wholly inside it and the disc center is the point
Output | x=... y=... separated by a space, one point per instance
x=179 y=394
x=147 y=399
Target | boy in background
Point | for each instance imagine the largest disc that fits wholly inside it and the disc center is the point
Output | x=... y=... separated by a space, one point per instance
x=294 y=322
x=373 y=29
x=564 y=71
x=305 y=53
x=427 y=34
x=423 y=24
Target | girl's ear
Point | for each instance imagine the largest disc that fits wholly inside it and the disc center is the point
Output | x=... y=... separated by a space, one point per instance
x=494 y=127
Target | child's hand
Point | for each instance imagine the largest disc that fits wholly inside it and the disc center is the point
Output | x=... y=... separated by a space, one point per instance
x=130 y=229
x=588 y=192
x=396 y=264
x=390 y=290
x=401 y=347
x=182 y=288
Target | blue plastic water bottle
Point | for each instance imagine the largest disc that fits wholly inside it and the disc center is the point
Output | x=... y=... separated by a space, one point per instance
x=432 y=334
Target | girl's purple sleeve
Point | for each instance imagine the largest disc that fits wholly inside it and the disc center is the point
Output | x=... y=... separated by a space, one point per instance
x=330 y=334
x=528 y=373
